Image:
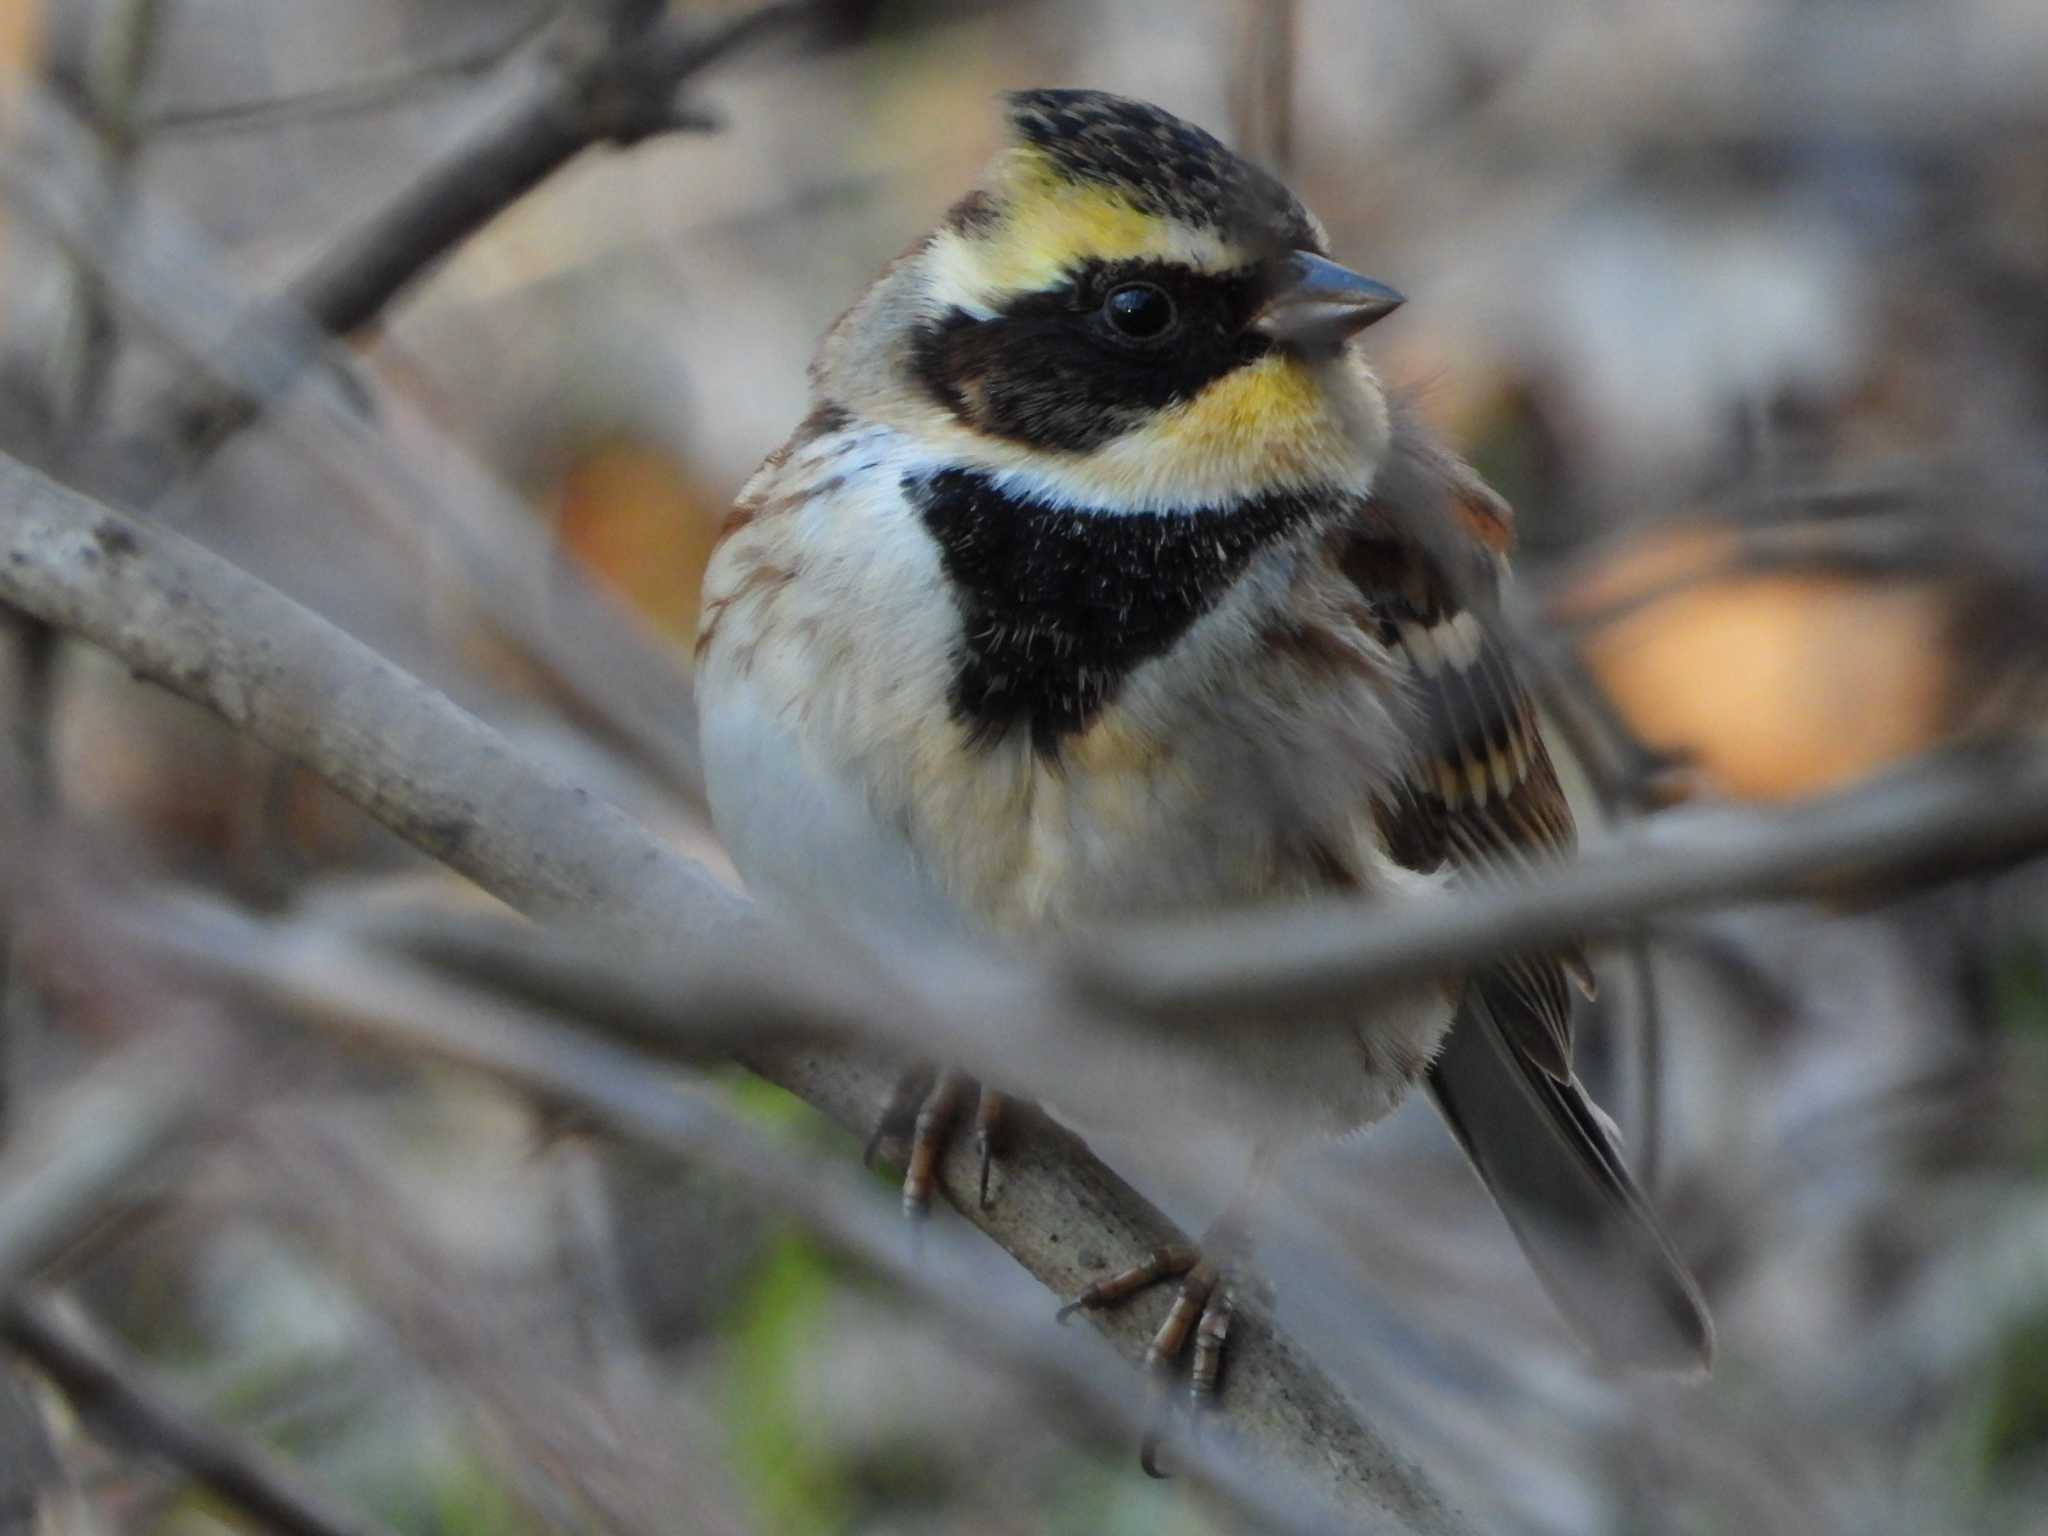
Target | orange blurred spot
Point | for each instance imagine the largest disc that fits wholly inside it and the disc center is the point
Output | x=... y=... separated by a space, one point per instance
x=20 y=45
x=633 y=516
x=1770 y=684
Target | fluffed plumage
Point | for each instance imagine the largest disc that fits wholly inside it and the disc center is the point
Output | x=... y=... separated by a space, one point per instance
x=1103 y=579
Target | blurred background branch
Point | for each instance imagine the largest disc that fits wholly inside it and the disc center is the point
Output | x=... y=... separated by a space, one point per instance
x=446 y=782
x=1741 y=308
x=99 y=68
x=87 y=1145
x=1978 y=811
x=372 y=93
x=116 y=1396
x=614 y=75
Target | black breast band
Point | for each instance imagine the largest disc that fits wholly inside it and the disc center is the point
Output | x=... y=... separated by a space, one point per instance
x=1060 y=605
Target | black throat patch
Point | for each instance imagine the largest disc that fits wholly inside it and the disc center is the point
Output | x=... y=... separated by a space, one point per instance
x=1059 y=606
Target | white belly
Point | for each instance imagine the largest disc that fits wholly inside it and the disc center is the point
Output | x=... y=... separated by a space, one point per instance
x=812 y=845
x=798 y=837
x=843 y=785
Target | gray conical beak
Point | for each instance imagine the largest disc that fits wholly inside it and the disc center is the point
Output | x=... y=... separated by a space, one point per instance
x=1315 y=303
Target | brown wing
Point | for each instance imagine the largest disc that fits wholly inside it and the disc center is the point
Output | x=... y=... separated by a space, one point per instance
x=1484 y=796
x=1484 y=793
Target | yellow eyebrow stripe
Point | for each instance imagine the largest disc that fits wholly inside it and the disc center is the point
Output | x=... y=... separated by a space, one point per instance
x=1050 y=223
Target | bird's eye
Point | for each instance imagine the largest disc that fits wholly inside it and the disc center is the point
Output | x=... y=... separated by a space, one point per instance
x=1138 y=311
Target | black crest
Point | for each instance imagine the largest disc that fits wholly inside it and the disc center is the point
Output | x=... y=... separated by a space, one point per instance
x=1163 y=165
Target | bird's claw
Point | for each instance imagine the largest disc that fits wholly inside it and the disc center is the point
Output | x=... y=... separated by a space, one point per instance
x=923 y=1111
x=1202 y=1310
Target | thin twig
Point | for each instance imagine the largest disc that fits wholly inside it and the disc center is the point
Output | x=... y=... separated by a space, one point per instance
x=1649 y=1061
x=1966 y=811
x=401 y=466
x=347 y=98
x=118 y=1396
x=600 y=87
x=947 y=1276
x=85 y=1145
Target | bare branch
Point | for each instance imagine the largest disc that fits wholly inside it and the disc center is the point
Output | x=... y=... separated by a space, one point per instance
x=582 y=1455
x=438 y=776
x=443 y=779
x=84 y=1146
x=952 y=1280
x=622 y=91
x=599 y=87
x=349 y=97
x=1972 y=810
x=117 y=1395
x=250 y=348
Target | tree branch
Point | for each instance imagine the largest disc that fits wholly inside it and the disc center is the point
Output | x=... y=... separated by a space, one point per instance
x=598 y=85
x=83 y=1148
x=1972 y=810
x=244 y=348
x=310 y=968
x=621 y=90
x=116 y=1394
x=446 y=781
x=346 y=98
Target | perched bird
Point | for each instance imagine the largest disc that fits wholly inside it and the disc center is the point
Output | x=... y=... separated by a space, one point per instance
x=1105 y=579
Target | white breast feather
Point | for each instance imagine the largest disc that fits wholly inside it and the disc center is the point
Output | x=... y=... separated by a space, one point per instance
x=840 y=783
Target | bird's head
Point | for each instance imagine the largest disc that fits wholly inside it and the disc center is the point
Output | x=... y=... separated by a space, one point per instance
x=1123 y=313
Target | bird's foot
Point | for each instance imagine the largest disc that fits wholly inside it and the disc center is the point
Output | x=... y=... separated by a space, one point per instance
x=921 y=1118
x=1210 y=1275
x=917 y=1126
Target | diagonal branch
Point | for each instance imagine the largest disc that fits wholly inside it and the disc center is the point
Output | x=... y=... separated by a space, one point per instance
x=79 y=1154
x=82 y=1150
x=957 y=1285
x=446 y=781
x=1975 y=810
x=597 y=85
x=623 y=89
x=116 y=1394
x=242 y=348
